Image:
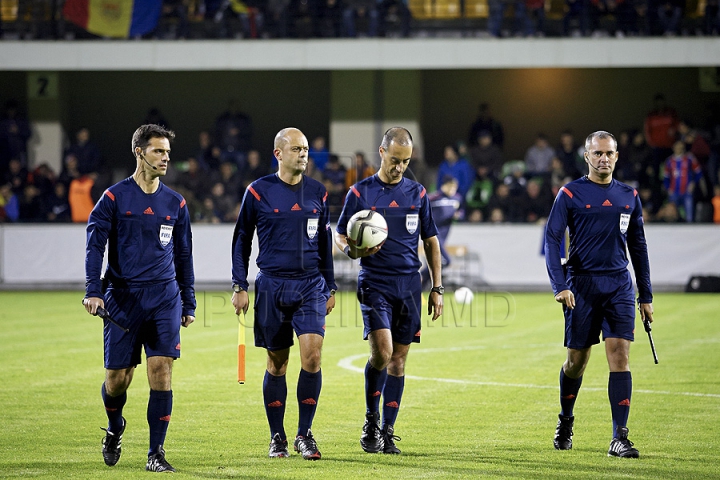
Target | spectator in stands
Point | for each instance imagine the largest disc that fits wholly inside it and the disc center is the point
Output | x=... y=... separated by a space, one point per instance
x=360 y=18
x=446 y=206
x=639 y=158
x=302 y=15
x=627 y=13
x=538 y=158
x=577 y=12
x=667 y=213
x=716 y=205
x=16 y=176
x=485 y=121
x=44 y=178
x=70 y=170
x=497 y=13
x=319 y=152
x=173 y=24
x=567 y=152
x=459 y=169
x=14 y=135
x=394 y=13
x=81 y=197
x=58 y=208
x=487 y=156
x=669 y=16
x=233 y=134
x=477 y=198
x=277 y=18
x=625 y=171
x=329 y=19
x=32 y=207
x=208 y=154
x=9 y=204
x=228 y=13
x=536 y=202
x=254 y=169
x=536 y=9
x=711 y=19
x=502 y=201
x=558 y=176
x=86 y=152
x=515 y=178
x=681 y=176
x=660 y=129
x=359 y=171
x=334 y=180
x=195 y=179
x=231 y=179
x=223 y=202
x=311 y=171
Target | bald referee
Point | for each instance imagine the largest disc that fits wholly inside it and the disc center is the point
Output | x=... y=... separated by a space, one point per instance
x=605 y=220
x=389 y=287
x=295 y=288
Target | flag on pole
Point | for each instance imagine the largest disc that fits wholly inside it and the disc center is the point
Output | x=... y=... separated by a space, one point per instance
x=114 y=18
x=241 y=350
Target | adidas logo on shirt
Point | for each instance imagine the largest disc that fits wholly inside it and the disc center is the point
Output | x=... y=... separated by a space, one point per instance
x=149 y=211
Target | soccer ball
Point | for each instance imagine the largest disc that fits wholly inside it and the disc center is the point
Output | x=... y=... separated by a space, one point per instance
x=463 y=295
x=367 y=229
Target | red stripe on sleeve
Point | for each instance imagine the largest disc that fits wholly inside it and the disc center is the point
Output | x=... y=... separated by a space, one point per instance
x=566 y=191
x=422 y=194
x=325 y=197
x=110 y=195
x=182 y=204
x=354 y=190
x=254 y=193
x=634 y=193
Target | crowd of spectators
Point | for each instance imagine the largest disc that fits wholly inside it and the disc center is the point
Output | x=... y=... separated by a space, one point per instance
x=229 y=19
x=672 y=164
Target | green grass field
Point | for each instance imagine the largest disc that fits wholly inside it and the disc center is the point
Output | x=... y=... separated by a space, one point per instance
x=481 y=396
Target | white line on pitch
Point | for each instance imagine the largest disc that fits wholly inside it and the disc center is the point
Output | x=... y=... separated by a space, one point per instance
x=347 y=364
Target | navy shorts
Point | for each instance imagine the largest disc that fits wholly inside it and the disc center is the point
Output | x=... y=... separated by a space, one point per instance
x=152 y=313
x=284 y=304
x=391 y=302
x=603 y=303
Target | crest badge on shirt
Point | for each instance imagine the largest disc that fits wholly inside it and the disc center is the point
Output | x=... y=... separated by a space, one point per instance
x=624 y=222
x=312 y=227
x=165 y=234
x=411 y=222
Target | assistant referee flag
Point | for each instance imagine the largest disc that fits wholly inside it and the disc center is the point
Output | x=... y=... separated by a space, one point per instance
x=114 y=18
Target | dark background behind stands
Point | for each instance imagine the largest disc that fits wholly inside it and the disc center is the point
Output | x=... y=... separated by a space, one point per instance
x=525 y=101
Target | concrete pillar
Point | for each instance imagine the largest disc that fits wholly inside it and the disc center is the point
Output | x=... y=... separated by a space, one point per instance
x=365 y=103
x=44 y=111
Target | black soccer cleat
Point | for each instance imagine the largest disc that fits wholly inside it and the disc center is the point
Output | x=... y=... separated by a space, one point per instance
x=157 y=463
x=278 y=447
x=389 y=439
x=112 y=445
x=372 y=440
x=621 y=447
x=564 y=433
x=307 y=447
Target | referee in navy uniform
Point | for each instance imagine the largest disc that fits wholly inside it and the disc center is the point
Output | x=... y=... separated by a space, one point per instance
x=604 y=219
x=150 y=287
x=389 y=286
x=295 y=288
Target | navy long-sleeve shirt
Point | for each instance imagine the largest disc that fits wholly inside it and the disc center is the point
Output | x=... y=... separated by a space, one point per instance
x=149 y=241
x=406 y=209
x=604 y=223
x=293 y=228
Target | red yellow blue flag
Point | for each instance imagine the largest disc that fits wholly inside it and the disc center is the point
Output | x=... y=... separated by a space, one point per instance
x=114 y=18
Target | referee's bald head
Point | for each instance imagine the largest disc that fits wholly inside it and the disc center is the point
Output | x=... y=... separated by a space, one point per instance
x=283 y=135
x=601 y=134
x=398 y=135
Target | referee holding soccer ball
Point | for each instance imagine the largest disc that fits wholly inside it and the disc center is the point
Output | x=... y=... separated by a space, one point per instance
x=389 y=288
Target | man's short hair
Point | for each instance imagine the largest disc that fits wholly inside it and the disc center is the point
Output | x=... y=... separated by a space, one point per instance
x=399 y=135
x=599 y=134
x=141 y=137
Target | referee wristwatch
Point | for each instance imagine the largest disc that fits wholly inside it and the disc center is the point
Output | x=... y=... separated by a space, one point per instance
x=237 y=288
x=439 y=289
